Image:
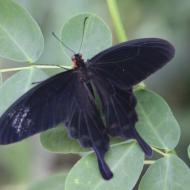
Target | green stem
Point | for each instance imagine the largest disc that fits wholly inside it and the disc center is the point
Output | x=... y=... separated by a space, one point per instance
x=14 y=69
x=33 y=66
x=119 y=29
x=118 y=26
x=149 y=162
x=171 y=152
x=159 y=151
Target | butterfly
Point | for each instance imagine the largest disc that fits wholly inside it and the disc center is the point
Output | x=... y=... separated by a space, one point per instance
x=69 y=98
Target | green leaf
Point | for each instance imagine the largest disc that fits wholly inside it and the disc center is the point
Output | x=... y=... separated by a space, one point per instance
x=57 y=140
x=168 y=173
x=17 y=85
x=156 y=124
x=16 y=161
x=97 y=35
x=20 y=36
x=188 y=151
x=1 y=79
x=54 y=182
x=125 y=160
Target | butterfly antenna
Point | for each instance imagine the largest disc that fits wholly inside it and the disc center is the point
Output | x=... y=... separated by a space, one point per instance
x=57 y=38
x=84 y=25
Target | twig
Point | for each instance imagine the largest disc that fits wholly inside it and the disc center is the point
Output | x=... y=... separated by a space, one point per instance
x=33 y=66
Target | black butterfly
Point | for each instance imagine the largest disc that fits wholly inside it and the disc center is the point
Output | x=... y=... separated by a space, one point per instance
x=68 y=97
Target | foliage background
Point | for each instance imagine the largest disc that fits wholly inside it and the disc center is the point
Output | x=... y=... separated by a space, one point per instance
x=169 y=19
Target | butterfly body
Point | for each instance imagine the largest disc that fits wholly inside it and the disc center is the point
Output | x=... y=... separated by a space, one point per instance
x=78 y=61
x=68 y=98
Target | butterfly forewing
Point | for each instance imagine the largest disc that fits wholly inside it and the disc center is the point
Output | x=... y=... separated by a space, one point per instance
x=130 y=62
x=37 y=110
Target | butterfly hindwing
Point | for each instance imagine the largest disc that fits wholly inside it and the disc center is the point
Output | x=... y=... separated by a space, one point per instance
x=90 y=129
x=118 y=106
x=128 y=63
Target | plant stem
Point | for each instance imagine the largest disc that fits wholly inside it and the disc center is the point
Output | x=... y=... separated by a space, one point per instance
x=118 y=26
x=33 y=66
x=149 y=162
x=171 y=152
x=119 y=29
x=14 y=69
x=159 y=151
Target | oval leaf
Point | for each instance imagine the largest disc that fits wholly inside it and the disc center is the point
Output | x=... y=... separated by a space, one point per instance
x=17 y=85
x=54 y=182
x=188 y=150
x=125 y=160
x=57 y=140
x=97 y=35
x=11 y=158
x=169 y=173
x=20 y=36
x=156 y=124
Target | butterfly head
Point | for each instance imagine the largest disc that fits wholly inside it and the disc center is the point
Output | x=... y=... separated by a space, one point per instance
x=77 y=60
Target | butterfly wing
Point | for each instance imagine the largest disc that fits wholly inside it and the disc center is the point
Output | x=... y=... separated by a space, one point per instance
x=130 y=62
x=114 y=72
x=91 y=130
x=35 y=110
x=61 y=98
x=118 y=107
